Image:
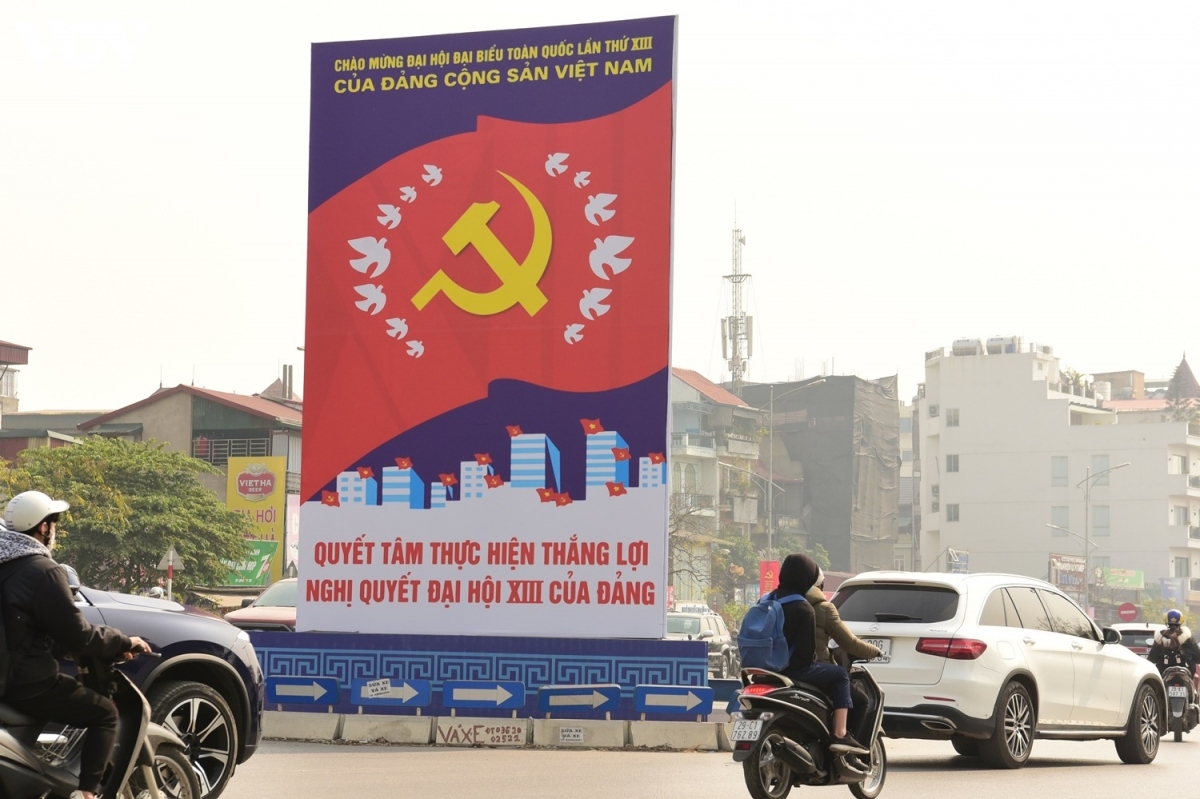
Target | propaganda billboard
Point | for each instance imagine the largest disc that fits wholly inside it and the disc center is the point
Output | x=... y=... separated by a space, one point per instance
x=489 y=267
x=255 y=488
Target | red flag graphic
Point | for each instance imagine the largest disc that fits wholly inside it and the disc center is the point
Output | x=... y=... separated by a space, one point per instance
x=656 y=457
x=547 y=494
x=591 y=426
x=404 y=463
x=514 y=430
x=366 y=472
x=616 y=489
x=330 y=498
x=448 y=480
x=493 y=480
x=621 y=453
x=483 y=458
x=562 y=499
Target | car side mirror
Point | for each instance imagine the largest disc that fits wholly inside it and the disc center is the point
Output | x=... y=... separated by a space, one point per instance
x=705 y=634
x=247 y=602
x=1111 y=636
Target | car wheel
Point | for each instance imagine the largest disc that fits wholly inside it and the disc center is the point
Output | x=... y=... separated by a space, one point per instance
x=1012 y=739
x=202 y=718
x=1139 y=744
x=967 y=747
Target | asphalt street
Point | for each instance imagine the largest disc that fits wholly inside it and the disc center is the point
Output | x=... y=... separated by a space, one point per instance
x=916 y=769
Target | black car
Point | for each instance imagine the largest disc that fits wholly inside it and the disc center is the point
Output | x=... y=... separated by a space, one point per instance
x=207 y=687
x=722 y=647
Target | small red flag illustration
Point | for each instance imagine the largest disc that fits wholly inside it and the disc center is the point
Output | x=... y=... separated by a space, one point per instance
x=330 y=498
x=403 y=463
x=448 y=480
x=562 y=499
x=621 y=453
x=591 y=426
x=366 y=472
x=493 y=480
x=483 y=458
x=547 y=494
x=514 y=430
x=656 y=457
x=616 y=489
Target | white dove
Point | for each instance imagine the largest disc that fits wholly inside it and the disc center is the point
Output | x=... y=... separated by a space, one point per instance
x=416 y=349
x=581 y=179
x=374 y=251
x=408 y=193
x=373 y=298
x=555 y=165
x=573 y=333
x=398 y=328
x=592 y=305
x=432 y=176
x=390 y=218
x=605 y=254
x=597 y=209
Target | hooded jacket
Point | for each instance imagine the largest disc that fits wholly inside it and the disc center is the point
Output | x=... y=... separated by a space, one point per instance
x=830 y=625
x=1165 y=653
x=797 y=574
x=39 y=615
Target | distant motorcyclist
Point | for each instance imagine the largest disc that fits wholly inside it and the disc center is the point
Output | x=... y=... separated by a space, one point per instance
x=1174 y=646
x=830 y=625
x=40 y=619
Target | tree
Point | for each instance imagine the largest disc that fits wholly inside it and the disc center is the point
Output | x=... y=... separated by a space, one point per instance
x=129 y=503
x=1180 y=406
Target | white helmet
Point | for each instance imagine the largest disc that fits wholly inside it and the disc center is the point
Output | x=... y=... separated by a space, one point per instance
x=26 y=510
x=156 y=592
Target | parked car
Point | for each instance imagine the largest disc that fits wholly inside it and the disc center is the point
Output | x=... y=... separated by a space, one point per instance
x=274 y=610
x=1138 y=636
x=723 y=659
x=993 y=661
x=207 y=687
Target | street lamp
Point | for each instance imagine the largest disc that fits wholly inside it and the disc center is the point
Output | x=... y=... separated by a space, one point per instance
x=771 y=456
x=1087 y=484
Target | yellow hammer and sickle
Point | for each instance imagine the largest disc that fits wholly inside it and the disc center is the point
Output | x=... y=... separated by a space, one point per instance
x=518 y=281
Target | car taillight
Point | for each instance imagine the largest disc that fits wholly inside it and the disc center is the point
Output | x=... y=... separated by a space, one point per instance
x=758 y=689
x=952 y=648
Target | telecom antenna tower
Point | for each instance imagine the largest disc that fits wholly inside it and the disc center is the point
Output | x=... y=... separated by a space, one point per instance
x=737 y=329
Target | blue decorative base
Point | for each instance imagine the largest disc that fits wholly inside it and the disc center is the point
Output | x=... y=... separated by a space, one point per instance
x=532 y=661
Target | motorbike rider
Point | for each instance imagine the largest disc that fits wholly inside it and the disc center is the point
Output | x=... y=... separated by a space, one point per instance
x=830 y=625
x=797 y=575
x=1174 y=646
x=40 y=618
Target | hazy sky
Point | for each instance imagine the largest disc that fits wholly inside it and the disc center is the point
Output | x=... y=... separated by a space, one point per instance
x=906 y=174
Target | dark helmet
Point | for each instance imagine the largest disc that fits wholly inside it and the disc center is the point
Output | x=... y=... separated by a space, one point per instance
x=1174 y=617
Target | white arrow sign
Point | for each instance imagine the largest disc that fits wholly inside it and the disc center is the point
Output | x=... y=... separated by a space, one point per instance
x=595 y=699
x=497 y=694
x=673 y=700
x=314 y=691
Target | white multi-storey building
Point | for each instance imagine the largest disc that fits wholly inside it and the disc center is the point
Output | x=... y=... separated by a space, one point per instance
x=535 y=462
x=354 y=489
x=603 y=465
x=403 y=487
x=1008 y=445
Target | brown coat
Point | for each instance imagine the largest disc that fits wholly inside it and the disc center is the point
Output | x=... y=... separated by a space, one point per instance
x=830 y=625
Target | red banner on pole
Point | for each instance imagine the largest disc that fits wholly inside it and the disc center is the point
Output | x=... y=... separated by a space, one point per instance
x=768 y=576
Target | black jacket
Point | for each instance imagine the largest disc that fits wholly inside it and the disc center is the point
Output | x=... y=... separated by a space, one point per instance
x=1164 y=654
x=798 y=574
x=40 y=616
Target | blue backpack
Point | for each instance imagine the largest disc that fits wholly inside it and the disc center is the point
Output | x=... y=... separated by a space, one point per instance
x=761 y=642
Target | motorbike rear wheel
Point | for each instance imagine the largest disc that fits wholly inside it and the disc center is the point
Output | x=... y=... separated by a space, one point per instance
x=872 y=785
x=173 y=774
x=767 y=777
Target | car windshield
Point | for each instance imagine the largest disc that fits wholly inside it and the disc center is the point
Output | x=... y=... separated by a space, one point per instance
x=280 y=595
x=1137 y=638
x=683 y=625
x=911 y=604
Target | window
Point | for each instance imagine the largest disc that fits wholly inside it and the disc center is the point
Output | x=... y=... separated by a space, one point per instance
x=1029 y=609
x=993 y=610
x=952 y=463
x=903 y=603
x=906 y=455
x=906 y=426
x=1060 y=516
x=952 y=512
x=935 y=491
x=933 y=411
x=1182 y=567
x=899 y=564
x=1100 y=464
x=1066 y=618
x=952 y=417
x=1058 y=470
x=1180 y=515
x=1179 y=464
x=1100 y=562
x=1100 y=521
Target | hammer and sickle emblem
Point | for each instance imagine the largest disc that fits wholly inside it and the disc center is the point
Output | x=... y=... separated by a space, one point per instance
x=518 y=281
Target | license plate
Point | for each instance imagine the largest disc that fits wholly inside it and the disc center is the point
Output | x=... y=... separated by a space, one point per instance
x=746 y=730
x=1178 y=690
x=884 y=645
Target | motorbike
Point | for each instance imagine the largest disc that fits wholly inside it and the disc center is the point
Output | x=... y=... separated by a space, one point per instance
x=1183 y=712
x=782 y=730
x=148 y=760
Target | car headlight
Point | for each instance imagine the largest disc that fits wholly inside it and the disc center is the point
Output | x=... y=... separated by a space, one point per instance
x=244 y=636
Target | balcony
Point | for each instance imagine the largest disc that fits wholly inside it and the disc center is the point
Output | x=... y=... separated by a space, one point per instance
x=293 y=483
x=1194 y=429
x=735 y=446
x=218 y=451
x=687 y=502
x=1194 y=481
x=1194 y=532
x=699 y=445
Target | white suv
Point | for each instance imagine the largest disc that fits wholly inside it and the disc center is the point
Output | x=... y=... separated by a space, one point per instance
x=992 y=661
